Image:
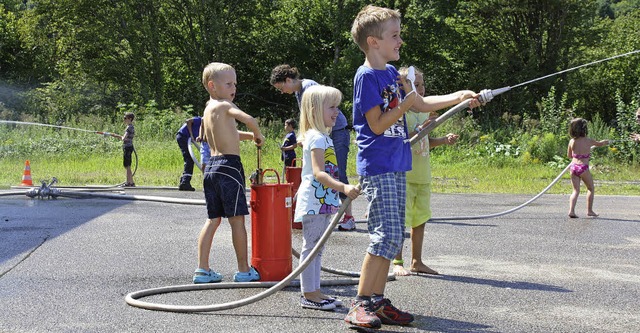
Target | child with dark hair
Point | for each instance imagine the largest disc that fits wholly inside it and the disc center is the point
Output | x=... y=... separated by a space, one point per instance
x=287 y=80
x=579 y=151
x=289 y=145
x=127 y=147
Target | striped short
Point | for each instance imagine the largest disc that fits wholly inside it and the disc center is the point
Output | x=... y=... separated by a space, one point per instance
x=386 y=194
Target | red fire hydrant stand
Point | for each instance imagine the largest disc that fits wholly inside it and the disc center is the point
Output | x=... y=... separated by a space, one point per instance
x=271 y=228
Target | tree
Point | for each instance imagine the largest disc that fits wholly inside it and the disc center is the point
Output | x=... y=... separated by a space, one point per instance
x=506 y=42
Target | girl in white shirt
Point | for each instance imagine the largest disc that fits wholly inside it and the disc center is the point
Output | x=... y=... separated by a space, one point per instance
x=318 y=195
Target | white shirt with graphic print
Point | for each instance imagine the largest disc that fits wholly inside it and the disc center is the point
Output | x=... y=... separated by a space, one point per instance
x=313 y=197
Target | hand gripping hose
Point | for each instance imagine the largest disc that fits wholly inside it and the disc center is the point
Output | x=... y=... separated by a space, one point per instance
x=484 y=97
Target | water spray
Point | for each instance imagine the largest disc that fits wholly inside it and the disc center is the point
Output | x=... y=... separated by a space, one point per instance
x=103 y=133
x=57 y=126
x=485 y=96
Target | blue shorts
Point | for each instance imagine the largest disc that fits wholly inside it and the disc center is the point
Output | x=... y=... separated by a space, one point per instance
x=224 y=187
x=386 y=194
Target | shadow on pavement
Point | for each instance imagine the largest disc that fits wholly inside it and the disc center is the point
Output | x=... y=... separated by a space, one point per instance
x=522 y=285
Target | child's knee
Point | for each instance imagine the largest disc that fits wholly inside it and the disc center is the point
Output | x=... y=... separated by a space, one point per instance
x=215 y=222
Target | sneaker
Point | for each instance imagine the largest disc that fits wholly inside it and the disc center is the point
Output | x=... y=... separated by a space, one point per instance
x=390 y=315
x=361 y=314
x=186 y=187
x=335 y=301
x=251 y=275
x=206 y=276
x=325 y=305
x=348 y=223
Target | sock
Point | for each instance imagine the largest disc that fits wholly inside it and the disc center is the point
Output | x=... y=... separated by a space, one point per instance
x=363 y=298
x=375 y=298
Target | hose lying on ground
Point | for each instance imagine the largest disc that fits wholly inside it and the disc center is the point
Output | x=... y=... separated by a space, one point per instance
x=133 y=298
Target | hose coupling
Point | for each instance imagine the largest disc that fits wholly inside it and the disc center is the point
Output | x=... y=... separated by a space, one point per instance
x=486 y=95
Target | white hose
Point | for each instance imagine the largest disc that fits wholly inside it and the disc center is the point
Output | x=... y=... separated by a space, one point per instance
x=438 y=121
x=133 y=298
x=6 y=194
x=478 y=217
x=193 y=155
x=81 y=195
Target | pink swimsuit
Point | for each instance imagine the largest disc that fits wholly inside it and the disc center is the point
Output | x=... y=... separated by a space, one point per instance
x=578 y=169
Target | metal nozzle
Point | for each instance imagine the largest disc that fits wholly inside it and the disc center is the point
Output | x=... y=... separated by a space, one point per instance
x=487 y=95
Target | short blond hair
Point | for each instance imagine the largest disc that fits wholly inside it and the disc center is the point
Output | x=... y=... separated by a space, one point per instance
x=370 y=22
x=211 y=72
x=314 y=99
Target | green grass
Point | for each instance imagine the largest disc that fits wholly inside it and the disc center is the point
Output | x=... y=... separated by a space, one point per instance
x=80 y=158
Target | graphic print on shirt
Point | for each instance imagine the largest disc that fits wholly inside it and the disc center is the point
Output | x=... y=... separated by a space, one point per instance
x=328 y=197
x=391 y=98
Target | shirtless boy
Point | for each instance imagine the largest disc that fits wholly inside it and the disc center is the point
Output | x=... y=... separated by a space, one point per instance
x=224 y=179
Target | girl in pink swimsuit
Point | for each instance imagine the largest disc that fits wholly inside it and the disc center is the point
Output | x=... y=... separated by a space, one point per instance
x=579 y=151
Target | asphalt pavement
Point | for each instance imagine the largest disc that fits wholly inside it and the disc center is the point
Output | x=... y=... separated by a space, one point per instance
x=67 y=264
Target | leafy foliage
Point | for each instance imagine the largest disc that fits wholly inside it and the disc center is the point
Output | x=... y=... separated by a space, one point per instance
x=62 y=60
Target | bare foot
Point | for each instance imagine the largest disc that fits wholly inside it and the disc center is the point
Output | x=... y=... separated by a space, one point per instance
x=422 y=268
x=573 y=215
x=399 y=270
x=592 y=213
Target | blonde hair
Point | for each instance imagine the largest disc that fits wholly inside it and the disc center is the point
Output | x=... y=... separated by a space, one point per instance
x=314 y=99
x=369 y=22
x=210 y=72
x=404 y=71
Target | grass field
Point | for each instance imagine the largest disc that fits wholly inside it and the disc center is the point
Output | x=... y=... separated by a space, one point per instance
x=81 y=159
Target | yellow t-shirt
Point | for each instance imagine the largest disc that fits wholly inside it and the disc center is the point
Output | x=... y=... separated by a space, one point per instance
x=420 y=168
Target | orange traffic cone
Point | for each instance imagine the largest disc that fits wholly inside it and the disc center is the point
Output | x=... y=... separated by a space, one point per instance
x=26 y=175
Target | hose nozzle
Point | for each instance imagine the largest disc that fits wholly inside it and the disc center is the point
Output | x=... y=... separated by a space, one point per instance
x=487 y=95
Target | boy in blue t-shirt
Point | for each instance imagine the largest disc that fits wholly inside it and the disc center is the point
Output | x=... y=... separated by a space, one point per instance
x=383 y=156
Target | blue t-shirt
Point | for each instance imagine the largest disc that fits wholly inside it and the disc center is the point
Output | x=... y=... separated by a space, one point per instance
x=195 y=127
x=289 y=140
x=387 y=152
x=341 y=121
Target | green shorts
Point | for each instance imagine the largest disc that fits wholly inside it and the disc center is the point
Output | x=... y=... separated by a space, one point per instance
x=418 y=209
